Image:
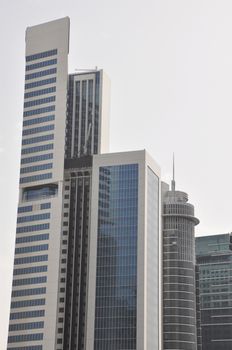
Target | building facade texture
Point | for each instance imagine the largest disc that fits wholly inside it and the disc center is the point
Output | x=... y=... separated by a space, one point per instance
x=87 y=253
x=214 y=259
x=179 y=284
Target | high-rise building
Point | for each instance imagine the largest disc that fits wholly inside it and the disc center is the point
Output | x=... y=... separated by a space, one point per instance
x=214 y=259
x=86 y=267
x=179 y=296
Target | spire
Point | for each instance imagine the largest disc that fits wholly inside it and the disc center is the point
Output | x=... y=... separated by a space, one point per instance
x=173 y=173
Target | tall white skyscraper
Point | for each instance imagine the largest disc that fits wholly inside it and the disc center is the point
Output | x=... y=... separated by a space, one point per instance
x=87 y=254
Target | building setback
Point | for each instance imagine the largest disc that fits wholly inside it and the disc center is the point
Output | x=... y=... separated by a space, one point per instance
x=214 y=259
x=87 y=253
x=179 y=287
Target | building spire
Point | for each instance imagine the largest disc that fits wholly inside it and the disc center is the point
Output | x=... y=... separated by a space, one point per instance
x=173 y=173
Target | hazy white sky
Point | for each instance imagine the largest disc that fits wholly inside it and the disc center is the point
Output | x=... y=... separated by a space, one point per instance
x=170 y=64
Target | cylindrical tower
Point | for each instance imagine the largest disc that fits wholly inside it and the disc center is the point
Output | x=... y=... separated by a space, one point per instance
x=179 y=293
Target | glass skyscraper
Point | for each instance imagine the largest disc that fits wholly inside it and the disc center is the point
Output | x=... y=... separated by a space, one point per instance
x=214 y=259
x=87 y=254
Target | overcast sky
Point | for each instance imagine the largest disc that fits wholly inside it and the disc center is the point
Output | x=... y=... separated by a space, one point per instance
x=170 y=65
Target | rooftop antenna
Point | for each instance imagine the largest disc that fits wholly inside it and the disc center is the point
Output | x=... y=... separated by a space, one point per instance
x=173 y=173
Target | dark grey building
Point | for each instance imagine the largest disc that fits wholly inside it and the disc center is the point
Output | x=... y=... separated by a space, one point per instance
x=179 y=297
x=214 y=259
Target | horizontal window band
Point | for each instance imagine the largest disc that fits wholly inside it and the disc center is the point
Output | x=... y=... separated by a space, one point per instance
x=40 y=74
x=39 y=101
x=38 y=129
x=38 y=111
x=24 y=209
x=40 y=55
x=34 y=238
x=27 y=281
x=34 y=168
x=35 y=217
x=41 y=64
x=27 y=292
x=25 y=338
x=37 y=158
x=31 y=249
x=27 y=314
x=37 y=139
x=25 y=326
x=40 y=92
x=27 y=303
x=40 y=83
x=40 y=120
x=29 y=270
x=38 y=148
x=36 y=178
x=33 y=228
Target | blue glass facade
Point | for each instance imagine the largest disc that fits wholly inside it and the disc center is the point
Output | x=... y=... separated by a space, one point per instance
x=116 y=277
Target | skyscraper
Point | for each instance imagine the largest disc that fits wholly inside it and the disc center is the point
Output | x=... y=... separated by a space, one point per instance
x=86 y=267
x=214 y=259
x=179 y=296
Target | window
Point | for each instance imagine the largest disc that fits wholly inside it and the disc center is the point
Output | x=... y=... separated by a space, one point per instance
x=38 y=129
x=41 y=55
x=24 y=209
x=25 y=337
x=30 y=249
x=32 y=228
x=39 y=111
x=34 y=168
x=37 y=158
x=27 y=314
x=33 y=217
x=40 y=92
x=40 y=192
x=25 y=326
x=32 y=269
x=37 y=149
x=37 y=139
x=40 y=83
x=33 y=238
x=35 y=178
x=40 y=74
x=33 y=280
x=41 y=64
x=32 y=291
x=39 y=102
x=27 y=303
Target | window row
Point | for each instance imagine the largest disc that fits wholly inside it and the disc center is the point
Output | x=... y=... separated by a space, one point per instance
x=24 y=209
x=26 y=292
x=27 y=314
x=32 y=269
x=32 y=228
x=39 y=55
x=45 y=119
x=34 y=168
x=25 y=326
x=37 y=139
x=31 y=347
x=40 y=92
x=27 y=303
x=40 y=83
x=33 y=238
x=25 y=337
x=41 y=64
x=39 y=102
x=35 y=178
x=40 y=74
x=33 y=217
x=38 y=148
x=38 y=129
x=45 y=206
x=30 y=249
x=38 y=111
x=33 y=280
x=37 y=158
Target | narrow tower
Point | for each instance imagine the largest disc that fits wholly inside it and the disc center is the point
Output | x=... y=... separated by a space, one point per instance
x=179 y=301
